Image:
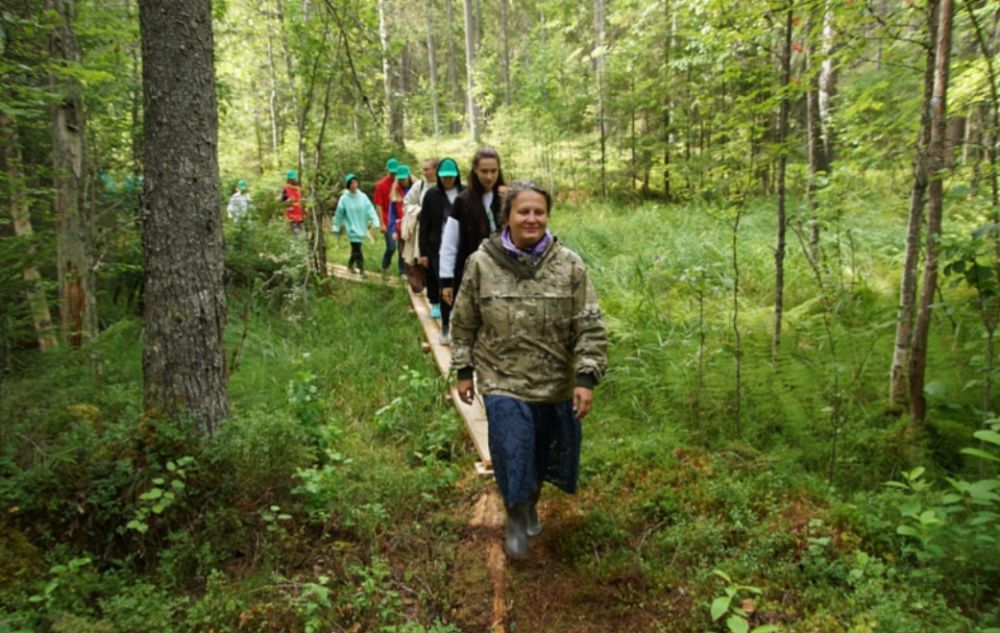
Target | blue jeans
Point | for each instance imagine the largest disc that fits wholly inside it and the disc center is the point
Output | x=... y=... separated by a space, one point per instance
x=390 y=248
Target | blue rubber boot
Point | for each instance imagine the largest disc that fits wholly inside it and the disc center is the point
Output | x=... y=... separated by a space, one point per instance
x=533 y=527
x=435 y=310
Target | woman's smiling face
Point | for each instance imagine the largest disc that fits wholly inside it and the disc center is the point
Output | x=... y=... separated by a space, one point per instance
x=529 y=217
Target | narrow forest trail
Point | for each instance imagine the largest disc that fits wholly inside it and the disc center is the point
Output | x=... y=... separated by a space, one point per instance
x=486 y=516
x=547 y=592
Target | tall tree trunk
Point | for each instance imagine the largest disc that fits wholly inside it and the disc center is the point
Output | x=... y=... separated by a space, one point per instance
x=908 y=281
x=818 y=166
x=400 y=94
x=17 y=197
x=77 y=292
x=779 y=248
x=272 y=101
x=432 y=66
x=505 y=51
x=135 y=94
x=988 y=53
x=184 y=303
x=667 y=106
x=470 y=57
x=387 y=83
x=827 y=84
x=599 y=65
x=936 y=160
x=453 y=65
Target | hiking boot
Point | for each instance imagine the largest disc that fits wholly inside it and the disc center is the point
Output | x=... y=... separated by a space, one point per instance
x=533 y=527
x=515 y=540
x=444 y=338
x=435 y=310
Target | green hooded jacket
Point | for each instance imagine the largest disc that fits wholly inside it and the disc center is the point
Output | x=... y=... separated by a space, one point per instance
x=530 y=330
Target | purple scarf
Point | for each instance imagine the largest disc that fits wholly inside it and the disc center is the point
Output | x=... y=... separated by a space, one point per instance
x=534 y=252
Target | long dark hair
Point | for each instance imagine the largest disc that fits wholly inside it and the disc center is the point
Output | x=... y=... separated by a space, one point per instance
x=474 y=194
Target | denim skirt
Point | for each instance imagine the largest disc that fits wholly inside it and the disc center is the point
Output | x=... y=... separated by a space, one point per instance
x=532 y=443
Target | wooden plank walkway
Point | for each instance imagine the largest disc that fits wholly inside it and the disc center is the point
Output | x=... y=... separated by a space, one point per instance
x=474 y=415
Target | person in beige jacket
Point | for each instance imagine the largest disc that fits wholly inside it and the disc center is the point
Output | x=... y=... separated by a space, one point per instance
x=409 y=230
x=528 y=325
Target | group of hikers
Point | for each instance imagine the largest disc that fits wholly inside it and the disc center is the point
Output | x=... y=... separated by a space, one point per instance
x=433 y=222
x=516 y=307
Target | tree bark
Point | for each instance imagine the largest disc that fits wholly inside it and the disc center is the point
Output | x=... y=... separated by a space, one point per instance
x=432 y=67
x=17 y=197
x=668 y=42
x=77 y=282
x=505 y=52
x=470 y=88
x=827 y=85
x=393 y=129
x=453 y=63
x=818 y=165
x=779 y=248
x=936 y=160
x=184 y=305
x=599 y=65
x=908 y=281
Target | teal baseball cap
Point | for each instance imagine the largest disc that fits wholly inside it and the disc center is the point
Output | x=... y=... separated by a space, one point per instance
x=348 y=178
x=391 y=165
x=292 y=175
x=403 y=171
x=448 y=167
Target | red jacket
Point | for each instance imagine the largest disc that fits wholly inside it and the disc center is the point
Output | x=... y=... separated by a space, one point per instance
x=293 y=196
x=381 y=198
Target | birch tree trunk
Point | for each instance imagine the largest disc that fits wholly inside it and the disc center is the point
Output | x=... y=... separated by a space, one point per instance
x=432 y=67
x=936 y=162
x=19 y=211
x=184 y=304
x=817 y=152
x=453 y=64
x=827 y=84
x=391 y=116
x=599 y=65
x=470 y=88
x=908 y=281
x=668 y=42
x=779 y=248
x=77 y=292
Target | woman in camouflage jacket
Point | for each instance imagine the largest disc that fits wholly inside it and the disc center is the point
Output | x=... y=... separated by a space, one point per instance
x=527 y=322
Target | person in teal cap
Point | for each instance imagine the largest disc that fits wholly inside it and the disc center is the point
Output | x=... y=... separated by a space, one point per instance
x=355 y=211
x=239 y=203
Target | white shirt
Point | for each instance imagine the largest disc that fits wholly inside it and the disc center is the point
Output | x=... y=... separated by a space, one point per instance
x=238 y=206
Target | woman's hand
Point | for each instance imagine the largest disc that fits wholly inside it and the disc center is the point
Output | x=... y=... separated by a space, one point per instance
x=582 y=398
x=466 y=391
x=425 y=262
x=447 y=294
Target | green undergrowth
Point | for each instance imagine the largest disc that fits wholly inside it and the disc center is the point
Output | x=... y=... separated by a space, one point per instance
x=336 y=496
x=326 y=497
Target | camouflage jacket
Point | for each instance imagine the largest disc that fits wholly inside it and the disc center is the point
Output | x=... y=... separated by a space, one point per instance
x=531 y=330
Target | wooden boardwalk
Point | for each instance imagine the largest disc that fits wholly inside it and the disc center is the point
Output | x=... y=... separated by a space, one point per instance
x=473 y=415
